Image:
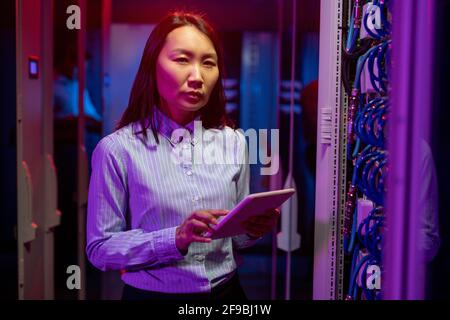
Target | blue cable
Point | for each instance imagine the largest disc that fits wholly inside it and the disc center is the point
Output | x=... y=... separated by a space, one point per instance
x=355 y=273
x=366 y=127
x=386 y=26
x=374 y=161
x=348 y=249
x=363 y=181
x=381 y=78
x=377 y=171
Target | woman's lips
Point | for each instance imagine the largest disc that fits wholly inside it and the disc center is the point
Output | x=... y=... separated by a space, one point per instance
x=193 y=97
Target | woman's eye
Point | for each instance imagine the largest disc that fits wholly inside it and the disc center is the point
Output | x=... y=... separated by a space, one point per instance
x=210 y=63
x=181 y=60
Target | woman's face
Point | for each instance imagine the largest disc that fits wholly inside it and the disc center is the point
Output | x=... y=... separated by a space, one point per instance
x=186 y=72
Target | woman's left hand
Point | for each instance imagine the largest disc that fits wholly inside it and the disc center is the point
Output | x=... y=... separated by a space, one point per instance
x=261 y=224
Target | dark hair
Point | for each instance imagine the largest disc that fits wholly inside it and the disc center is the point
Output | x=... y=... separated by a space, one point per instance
x=144 y=93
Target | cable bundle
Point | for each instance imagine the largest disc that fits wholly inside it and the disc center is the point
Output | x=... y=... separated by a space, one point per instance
x=365 y=61
x=366 y=253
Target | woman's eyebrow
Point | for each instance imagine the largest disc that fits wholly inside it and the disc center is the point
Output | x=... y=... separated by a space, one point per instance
x=190 y=53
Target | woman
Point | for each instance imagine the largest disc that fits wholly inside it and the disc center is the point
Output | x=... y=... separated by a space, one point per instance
x=147 y=214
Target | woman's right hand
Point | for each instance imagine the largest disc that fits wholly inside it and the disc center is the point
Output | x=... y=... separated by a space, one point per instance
x=194 y=226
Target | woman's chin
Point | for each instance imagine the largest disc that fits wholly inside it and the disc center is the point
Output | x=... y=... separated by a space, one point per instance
x=192 y=107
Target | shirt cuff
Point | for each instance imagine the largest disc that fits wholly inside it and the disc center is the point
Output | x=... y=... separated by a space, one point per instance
x=165 y=247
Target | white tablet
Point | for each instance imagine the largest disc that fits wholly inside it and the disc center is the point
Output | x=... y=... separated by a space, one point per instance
x=253 y=204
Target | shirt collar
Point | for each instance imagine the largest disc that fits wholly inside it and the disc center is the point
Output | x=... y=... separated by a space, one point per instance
x=166 y=126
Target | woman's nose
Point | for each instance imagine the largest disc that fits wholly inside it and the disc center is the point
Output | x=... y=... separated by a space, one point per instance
x=195 y=77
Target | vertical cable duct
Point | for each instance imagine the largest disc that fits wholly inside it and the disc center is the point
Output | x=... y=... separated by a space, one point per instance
x=289 y=181
x=274 y=180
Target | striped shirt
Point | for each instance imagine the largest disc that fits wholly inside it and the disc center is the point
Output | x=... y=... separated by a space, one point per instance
x=139 y=193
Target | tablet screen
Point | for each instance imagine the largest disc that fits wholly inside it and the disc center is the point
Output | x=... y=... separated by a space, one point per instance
x=253 y=204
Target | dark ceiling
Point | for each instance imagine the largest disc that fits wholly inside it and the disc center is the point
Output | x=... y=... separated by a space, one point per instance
x=225 y=15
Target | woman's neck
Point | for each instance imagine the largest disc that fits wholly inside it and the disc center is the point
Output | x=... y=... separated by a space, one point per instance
x=181 y=117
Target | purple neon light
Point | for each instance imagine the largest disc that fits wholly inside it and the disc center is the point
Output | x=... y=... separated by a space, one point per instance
x=412 y=41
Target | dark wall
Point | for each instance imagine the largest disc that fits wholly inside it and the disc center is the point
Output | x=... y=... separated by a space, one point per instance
x=440 y=276
x=8 y=181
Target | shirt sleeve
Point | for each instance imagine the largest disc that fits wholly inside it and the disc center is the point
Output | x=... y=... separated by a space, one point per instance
x=243 y=188
x=110 y=246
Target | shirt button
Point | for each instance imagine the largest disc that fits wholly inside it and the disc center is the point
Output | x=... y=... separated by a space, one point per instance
x=185 y=146
x=200 y=258
x=196 y=198
x=176 y=140
x=189 y=173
